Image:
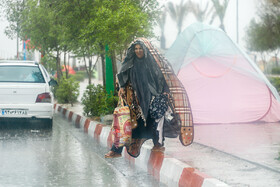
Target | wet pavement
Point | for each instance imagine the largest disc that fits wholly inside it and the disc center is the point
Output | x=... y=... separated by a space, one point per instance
x=63 y=156
x=257 y=142
x=233 y=155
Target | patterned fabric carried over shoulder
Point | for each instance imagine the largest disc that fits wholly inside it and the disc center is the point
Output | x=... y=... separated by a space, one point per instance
x=179 y=100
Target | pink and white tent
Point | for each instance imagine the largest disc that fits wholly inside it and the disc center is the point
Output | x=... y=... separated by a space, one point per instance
x=223 y=84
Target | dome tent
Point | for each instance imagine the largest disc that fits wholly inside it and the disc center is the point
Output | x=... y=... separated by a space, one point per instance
x=223 y=84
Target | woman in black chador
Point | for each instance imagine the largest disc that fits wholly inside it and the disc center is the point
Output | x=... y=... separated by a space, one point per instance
x=144 y=88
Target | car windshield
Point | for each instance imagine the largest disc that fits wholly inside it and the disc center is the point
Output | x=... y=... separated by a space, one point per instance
x=24 y=74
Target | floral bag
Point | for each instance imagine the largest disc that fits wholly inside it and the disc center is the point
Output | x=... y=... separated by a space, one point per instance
x=121 y=127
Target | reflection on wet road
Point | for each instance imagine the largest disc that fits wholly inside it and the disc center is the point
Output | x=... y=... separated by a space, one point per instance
x=63 y=156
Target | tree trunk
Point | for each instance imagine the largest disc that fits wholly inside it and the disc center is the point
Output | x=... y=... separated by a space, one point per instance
x=162 y=41
x=103 y=66
x=58 y=67
x=276 y=60
x=103 y=70
x=162 y=22
x=222 y=27
x=114 y=65
x=264 y=62
x=68 y=62
x=90 y=70
x=87 y=69
x=17 y=47
x=65 y=65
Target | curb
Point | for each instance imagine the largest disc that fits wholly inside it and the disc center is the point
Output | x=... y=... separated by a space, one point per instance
x=167 y=170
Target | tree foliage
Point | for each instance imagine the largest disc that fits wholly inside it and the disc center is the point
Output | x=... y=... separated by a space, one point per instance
x=257 y=37
x=179 y=12
x=117 y=22
x=220 y=9
x=13 y=11
x=263 y=35
x=83 y=28
x=202 y=13
x=207 y=12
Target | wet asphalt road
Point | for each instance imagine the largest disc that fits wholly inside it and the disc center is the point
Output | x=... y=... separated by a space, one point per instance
x=63 y=156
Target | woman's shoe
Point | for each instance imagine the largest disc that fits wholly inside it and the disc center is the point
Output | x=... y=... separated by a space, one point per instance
x=135 y=147
x=112 y=154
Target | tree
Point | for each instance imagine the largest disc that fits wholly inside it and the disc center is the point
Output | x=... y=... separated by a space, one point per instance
x=77 y=15
x=13 y=12
x=220 y=9
x=264 y=36
x=116 y=23
x=201 y=14
x=178 y=13
x=96 y=24
x=274 y=2
x=161 y=22
x=43 y=26
x=85 y=27
x=256 y=39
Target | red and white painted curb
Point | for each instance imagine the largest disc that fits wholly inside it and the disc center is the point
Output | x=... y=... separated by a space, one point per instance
x=167 y=170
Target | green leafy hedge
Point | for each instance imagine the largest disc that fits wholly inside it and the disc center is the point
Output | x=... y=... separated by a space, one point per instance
x=79 y=76
x=67 y=91
x=96 y=102
x=275 y=81
x=275 y=70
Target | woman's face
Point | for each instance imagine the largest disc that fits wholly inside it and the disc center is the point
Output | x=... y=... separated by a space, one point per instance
x=139 y=51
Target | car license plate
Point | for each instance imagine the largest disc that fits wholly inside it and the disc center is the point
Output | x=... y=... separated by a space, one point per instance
x=5 y=112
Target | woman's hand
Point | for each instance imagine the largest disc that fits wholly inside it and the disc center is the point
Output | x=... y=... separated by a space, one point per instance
x=121 y=91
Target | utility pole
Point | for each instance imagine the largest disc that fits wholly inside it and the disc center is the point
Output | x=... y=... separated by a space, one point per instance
x=109 y=72
x=237 y=30
x=17 y=48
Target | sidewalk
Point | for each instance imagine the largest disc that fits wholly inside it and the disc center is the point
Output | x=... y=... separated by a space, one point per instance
x=221 y=155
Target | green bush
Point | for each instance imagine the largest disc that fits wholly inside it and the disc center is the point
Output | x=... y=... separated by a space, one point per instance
x=79 y=76
x=275 y=70
x=96 y=102
x=275 y=81
x=67 y=91
x=81 y=73
x=93 y=75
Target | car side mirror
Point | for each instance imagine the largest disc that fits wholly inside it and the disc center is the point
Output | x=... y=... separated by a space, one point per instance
x=53 y=82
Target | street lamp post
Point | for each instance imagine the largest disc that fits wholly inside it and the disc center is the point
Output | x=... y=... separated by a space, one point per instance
x=237 y=32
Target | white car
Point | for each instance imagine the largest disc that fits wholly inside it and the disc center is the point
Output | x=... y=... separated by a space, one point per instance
x=25 y=91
